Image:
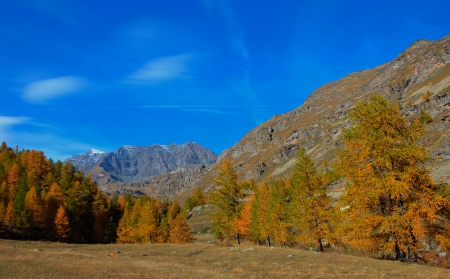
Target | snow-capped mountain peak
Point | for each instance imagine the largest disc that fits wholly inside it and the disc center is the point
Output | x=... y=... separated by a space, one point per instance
x=95 y=151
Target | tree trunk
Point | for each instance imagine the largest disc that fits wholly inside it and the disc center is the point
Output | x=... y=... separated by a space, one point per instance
x=320 y=246
x=268 y=241
x=237 y=239
x=398 y=252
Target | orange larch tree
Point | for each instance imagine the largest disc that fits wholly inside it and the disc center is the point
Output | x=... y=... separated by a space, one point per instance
x=13 y=180
x=9 y=214
x=180 y=232
x=278 y=223
x=244 y=220
x=228 y=198
x=62 y=226
x=391 y=203
x=310 y=203
x=35 y=206
x=259 y=230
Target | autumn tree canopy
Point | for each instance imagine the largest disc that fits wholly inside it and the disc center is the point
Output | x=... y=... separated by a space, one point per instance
x=310 y=202
x=227 y=197
x=391 y=203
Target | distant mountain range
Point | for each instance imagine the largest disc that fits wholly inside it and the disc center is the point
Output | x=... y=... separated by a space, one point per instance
x=137 y=163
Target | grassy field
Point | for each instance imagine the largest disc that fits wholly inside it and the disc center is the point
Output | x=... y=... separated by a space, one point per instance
x=30 y=259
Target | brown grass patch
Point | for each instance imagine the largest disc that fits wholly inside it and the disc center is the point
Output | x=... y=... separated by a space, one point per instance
x=21 y=260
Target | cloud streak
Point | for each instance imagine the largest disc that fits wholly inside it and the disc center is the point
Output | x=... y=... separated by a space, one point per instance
x=8 y=121
x=44 y=90
x=162 y=69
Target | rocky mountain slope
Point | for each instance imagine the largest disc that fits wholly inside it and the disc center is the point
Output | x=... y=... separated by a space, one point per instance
x=317 y=124
x=128 y=164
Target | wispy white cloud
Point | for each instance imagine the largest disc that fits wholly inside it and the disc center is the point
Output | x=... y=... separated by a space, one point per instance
x=216 y=109
x=162 y=69
x=7 y=121
x=47 y=89
x=213 y=111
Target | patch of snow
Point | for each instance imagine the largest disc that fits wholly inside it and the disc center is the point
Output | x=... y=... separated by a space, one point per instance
x=164 y=147
x=96 y=151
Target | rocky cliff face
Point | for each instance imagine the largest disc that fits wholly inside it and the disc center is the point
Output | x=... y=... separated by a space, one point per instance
x=317 y=124
x=137 y=163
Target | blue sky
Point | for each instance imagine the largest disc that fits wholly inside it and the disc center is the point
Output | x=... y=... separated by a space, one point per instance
x=78 y=74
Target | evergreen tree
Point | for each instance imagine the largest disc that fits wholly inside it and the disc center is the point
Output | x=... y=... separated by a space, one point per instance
x=21 y=213
x=110 y=232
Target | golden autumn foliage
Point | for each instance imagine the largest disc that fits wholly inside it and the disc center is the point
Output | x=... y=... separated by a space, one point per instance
x=148 y=220
x=244 y=220
x=426 y=96
x=100 y=209
x=13 y=180
x=125 y=227
x=259 y=230
x=277 y=222
x=391 y=203
x=62 y=226
x=35 y=206
x=227 y=197
x=180 y=232
x=9 y=214
x=310 y=202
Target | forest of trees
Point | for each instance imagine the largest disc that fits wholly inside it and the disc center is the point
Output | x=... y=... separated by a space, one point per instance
x=42 y=199
x=391 y=207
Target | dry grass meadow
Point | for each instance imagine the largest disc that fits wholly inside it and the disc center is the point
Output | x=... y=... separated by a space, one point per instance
x=33 y=259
